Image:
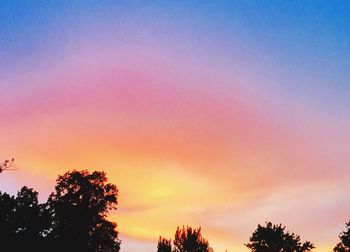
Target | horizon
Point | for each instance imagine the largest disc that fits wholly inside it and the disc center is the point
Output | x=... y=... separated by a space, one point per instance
x=221 y=115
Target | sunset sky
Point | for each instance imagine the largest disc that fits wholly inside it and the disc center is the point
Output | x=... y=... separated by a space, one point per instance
x=219 y=114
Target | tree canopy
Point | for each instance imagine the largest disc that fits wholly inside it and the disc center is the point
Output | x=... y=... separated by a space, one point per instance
x=78 y=208
x=274 y=238
x=187 y=239
x=164 y=245
x=22 y=221
x=73 y=218
x=344 y=244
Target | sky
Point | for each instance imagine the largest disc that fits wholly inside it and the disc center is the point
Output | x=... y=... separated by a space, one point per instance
x=219 y=114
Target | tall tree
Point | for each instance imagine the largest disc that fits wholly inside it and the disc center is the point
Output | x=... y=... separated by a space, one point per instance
x=164 y=245
x=30 y=220
x=274 y=238
x=190 y=240
x=344 y=244
x=79 y=208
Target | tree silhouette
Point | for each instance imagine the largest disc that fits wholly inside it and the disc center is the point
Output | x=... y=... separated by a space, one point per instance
x=78 y=208
x=273 y=238
x=190 y=240
x=164 y=245
x=30 y=221
x=344 y=244
x=7 y=227
x=22 y=221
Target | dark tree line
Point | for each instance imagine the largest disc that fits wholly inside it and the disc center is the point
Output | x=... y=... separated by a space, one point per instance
x=269 y=238
x=72 y=219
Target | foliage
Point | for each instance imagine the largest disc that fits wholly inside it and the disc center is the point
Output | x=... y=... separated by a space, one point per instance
x=273 y=238
x=164 y=245
x=22 y=221
x=344 y=244
x=73 y=219
x=78 y=208
x=190 y=240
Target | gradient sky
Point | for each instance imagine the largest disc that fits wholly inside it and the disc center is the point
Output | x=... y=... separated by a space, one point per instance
x=220 y=114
